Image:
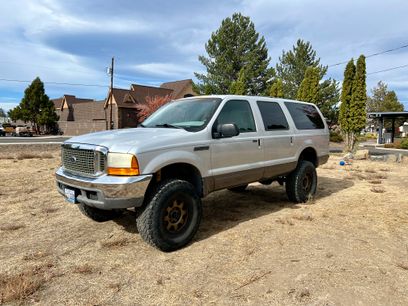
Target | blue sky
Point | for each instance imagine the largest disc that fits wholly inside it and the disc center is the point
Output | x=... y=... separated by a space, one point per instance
x=156 y=41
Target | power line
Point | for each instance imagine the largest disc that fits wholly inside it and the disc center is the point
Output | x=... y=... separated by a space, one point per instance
x=372 y=55
x=56 y=83
x=388 y=69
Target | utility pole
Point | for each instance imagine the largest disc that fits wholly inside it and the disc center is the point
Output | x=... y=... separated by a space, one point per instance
x=111 y=94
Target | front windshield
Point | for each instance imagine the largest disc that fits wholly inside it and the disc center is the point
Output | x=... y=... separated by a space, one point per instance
x=191 y=114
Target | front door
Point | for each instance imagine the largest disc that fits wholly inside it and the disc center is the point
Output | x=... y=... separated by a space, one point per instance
x=237 y=160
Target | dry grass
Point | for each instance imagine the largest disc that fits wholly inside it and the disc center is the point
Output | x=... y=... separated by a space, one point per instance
x=378 y=189
x=381 y=176
x=402 y=265
x=84 y=269
x=6 y=157
x=36 y=255
x=50 y=210
x=20 y=286
x=304 y=217
x=23 y=156
x=251 y=248
x=115 y=243
x=11 y=227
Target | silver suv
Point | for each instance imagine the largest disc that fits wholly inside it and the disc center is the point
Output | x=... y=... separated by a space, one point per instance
x=188 y=149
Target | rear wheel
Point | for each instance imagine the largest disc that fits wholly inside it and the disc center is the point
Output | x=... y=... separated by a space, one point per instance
x=172 y=216
x=99 y=215
x=238 y=188
x=302 y=182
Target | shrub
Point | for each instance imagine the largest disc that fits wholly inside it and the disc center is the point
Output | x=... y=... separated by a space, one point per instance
x=335 y=137
x=370 y=135
x=395 y=145
x=404 y=144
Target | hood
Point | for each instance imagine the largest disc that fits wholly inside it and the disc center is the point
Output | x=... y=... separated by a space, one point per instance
x=136 y=140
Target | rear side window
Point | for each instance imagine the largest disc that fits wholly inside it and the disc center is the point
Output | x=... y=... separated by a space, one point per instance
x=272 y=116
x=305 y=116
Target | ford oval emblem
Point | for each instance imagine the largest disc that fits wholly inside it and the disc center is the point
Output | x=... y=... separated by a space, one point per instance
x=73 y=159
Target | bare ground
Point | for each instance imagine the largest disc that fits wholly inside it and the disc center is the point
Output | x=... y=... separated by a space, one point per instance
x=347 y=246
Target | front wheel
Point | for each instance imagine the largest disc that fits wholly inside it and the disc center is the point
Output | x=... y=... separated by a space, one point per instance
x=302 y=182
x=172 y=217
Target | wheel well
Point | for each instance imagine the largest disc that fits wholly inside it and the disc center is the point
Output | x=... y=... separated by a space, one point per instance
x=182 y=171
x=309 y=154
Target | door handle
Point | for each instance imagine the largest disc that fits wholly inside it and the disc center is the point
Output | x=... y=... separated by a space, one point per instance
x=254 y=140
x=291 y=140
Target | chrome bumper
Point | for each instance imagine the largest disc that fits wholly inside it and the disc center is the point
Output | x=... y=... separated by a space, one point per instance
x=105 y=192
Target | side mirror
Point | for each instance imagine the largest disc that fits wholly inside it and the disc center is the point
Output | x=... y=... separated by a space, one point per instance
x=226 y=130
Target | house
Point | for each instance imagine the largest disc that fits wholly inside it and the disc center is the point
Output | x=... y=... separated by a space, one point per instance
x=80 y=116
x=125 y=102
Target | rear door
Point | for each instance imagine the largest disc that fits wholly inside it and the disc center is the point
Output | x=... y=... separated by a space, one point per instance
x=279 y=151
x=237 y=160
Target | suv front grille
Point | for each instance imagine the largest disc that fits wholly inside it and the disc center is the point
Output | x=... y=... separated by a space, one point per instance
x=87 y=162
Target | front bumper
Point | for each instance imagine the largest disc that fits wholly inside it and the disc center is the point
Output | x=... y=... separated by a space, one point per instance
x=105 y=192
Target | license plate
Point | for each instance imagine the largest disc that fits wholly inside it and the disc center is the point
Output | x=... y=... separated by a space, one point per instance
x=70 y=195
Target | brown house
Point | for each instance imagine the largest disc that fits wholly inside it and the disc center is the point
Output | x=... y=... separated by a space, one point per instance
x=125 y=102
x=80 y=116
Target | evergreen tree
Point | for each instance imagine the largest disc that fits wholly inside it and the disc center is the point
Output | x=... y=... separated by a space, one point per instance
x=292 y=66
x=238 y=87
x=383 y=100
x=276 y=89
x=234 y=46
x=309 y=90
x=329 y=99
x=35 y=106
x=345 y=117
x=359 y=97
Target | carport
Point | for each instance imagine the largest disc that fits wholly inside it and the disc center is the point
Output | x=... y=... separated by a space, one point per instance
x=381 y=117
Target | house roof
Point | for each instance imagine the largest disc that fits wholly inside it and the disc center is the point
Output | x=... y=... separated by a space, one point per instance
x=388 y=115
x=120 y=96
x=57 y=102
x=177 y=87
x=140 y=92
x=136 y=95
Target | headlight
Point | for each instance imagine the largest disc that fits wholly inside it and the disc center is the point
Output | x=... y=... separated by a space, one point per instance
x=122 y=164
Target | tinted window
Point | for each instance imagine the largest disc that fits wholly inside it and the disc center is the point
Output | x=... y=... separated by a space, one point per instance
x=238 y=112
x=305 y=116
x=272 y=116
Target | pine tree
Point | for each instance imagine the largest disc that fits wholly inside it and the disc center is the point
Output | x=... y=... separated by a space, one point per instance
x=346 y=94
x=383 y=100
x=329 y=99
x=292 y=66
x=309 y=90
x=35 y=106
x=234 y=46
x=238 y=87
x=276 y=89
x=359 y=97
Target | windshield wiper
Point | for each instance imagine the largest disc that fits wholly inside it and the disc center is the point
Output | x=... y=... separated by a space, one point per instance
x=168 y=125
x=141 y=125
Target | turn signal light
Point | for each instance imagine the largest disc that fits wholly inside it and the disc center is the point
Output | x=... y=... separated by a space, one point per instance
x=125 y=171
